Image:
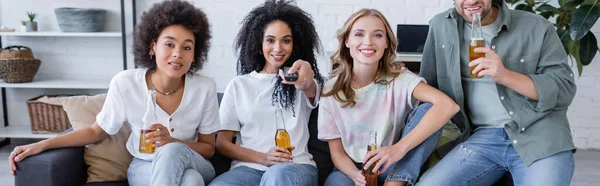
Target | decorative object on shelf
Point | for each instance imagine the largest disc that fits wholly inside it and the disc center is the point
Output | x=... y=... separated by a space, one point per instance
x=80 y=19
x=23 y=27
x=47 y=115
x=31 y=25
x=17 y=64
x=4 y=29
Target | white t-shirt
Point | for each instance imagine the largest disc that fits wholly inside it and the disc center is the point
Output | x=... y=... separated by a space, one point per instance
x=246 y=108
x=379 y=107
x=126 y=102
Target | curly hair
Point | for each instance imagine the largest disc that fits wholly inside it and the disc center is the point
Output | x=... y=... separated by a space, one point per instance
x=248 y=43
x=165 y=14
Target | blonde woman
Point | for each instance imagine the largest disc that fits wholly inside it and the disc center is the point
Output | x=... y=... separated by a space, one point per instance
x=367 y=92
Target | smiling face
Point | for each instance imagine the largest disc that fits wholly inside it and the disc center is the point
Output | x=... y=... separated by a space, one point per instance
x=466 y=8
x=367 y=40
x=174 y=51
x=277 y=45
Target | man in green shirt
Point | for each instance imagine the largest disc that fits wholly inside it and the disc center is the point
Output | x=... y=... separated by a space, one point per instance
x=513 y=113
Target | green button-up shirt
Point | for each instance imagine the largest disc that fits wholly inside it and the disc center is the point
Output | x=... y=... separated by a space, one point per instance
x=527 y=44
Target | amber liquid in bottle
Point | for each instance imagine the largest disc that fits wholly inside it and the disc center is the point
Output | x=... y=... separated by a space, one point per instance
x=282 y=138
x=148 y=119
x=146 y=147
x=476 y=42
x=370 y=176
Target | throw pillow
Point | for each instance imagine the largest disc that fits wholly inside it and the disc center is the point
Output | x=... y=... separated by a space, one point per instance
x=109 y=159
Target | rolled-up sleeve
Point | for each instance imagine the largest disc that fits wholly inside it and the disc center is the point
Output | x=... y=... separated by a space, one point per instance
x=554 y=79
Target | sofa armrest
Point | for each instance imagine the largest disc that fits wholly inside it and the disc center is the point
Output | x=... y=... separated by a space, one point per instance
x=63 y=166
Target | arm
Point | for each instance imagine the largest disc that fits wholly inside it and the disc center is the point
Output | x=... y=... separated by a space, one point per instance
x=442 y=110
x=205 y=146
x=233 y=151
x=81 y=137
x=342 y=161
x=551 y=87
x=305 y=82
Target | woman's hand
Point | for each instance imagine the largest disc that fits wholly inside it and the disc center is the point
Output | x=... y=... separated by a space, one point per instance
x=385 y=155
x=22 y=152
x=359 y=179
x=277 y=155
x=160 y=136
x=305 y=75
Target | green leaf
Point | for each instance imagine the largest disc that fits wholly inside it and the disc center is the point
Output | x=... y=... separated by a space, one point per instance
x=512 y=1
x=524 y=7
x=560 y=2
x=572 y=4
x=547 y=11
x=588 y=2
x=546 y=8
x=582 y=20
x=574 y=51
x=565 y=40
x=588 y=46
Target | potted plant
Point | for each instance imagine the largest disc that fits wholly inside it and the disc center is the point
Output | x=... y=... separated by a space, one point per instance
x=31 y=25
x=23 y=27
x=574 y=19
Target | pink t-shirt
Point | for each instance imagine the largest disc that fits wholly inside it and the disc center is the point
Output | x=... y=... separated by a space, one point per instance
x=379 y=107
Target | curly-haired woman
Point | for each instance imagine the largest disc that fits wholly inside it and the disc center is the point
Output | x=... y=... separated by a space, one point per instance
x=274 y=35
x=171 y=43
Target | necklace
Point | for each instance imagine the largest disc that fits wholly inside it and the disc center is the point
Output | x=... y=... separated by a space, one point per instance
x=354 y=78
x=166 y=92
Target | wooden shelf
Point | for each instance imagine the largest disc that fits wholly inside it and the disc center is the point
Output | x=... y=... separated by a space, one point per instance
x=22 y=131
x=63 y=34
x=60 y=84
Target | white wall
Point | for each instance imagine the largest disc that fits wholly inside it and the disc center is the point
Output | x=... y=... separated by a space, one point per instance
x=329 y=15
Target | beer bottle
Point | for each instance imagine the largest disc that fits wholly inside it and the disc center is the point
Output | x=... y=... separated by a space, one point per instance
x=370 y=176
x=148 y=119
x=476 y=42
x=282 y=138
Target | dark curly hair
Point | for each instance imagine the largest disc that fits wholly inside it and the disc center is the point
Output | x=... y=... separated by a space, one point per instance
x=167 y=13
x=248 y=44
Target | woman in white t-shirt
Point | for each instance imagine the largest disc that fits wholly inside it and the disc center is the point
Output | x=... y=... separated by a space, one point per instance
x=274 y=35
x=168 y=52
x=367 y=92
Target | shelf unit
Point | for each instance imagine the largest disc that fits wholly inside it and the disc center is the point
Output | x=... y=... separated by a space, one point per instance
x=64 y=34
x=24 y=130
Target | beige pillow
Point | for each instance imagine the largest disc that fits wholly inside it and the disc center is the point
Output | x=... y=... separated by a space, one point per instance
x=108 y=160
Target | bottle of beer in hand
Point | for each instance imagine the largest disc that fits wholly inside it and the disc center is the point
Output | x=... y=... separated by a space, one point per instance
x=370 y=176
x=476 y=42
x=148 y=119
x=282 y=138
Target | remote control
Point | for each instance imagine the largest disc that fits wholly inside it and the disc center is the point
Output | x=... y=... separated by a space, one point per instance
x=289 y=76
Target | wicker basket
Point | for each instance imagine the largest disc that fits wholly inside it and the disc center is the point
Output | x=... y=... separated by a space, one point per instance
x=19 y=70
x=16 y=52
x=47 y=118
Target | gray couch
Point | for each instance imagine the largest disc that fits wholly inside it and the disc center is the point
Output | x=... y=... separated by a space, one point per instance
x=65 y=166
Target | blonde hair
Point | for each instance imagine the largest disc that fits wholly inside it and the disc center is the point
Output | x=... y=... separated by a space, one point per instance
x=344 y=62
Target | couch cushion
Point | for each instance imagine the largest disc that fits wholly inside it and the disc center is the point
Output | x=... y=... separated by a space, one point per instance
x=108 y=160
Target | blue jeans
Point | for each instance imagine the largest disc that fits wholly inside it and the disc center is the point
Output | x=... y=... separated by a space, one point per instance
x=488 y=154
x=408 y=168
x=173 y=164
x=289 y=174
